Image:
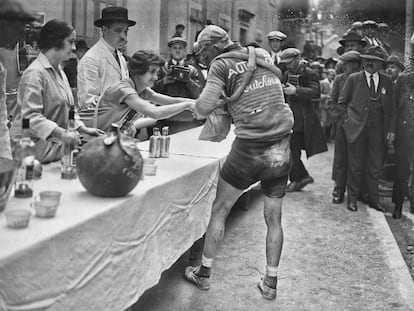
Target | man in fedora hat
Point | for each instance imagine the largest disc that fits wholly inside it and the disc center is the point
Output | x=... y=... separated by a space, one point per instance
x=13 y=18
x=103 y=65
x=178 y=78
x=351 y=41
x=404 y=140
x=367 y=97
x=276 y=39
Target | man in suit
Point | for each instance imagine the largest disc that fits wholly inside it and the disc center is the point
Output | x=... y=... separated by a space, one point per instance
x=368 y=98
x=300 y=86
x=352 y=62
x=404 y=138
x=103 y=65
x=370 y=30
x=276 y=39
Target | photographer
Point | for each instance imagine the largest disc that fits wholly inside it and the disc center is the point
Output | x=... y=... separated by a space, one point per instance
x=178 y=79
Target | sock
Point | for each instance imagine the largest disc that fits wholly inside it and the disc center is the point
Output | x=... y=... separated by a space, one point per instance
x=271 y=276
x=205 y=267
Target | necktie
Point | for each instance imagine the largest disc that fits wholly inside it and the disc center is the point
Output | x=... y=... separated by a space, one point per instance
x=371 y=86
x=117 y=58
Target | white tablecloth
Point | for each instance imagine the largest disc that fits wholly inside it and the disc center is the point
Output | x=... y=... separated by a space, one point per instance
x=102 y=254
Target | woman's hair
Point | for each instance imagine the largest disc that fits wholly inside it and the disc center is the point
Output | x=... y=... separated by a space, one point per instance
x=140 y=62
x=53 y=34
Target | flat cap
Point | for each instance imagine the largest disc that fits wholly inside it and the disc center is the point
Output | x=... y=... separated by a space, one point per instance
x=383 y=25
x=369 y=23
x=394 y=59
x=288 y=55
x=211 y=33
x=177 y=40
x=278 y=35
x=351 y=56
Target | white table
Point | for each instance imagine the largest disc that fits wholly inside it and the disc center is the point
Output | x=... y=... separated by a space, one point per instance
x=100 y=253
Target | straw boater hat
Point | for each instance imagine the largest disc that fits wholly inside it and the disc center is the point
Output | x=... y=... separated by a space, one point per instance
x=356 y=25
x=369 y=23
x=114 y=14
x=394 y=59
x=374 y=53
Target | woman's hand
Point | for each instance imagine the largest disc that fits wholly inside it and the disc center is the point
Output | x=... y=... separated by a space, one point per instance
x=131 y=131
x=91 y=131
x=191 y=106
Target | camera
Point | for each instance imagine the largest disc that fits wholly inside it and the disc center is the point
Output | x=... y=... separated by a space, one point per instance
x=180 y=73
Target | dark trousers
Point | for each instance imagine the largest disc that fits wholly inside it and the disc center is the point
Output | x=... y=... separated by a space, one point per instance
x=365 y=155
x=297 y=143
x=340 y=162
x=403 y=152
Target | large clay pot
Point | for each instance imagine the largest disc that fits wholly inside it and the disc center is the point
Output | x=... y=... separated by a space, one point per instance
x=8 y=170
x=109 y=166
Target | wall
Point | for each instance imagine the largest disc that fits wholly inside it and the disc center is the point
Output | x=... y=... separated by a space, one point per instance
x=145 y=35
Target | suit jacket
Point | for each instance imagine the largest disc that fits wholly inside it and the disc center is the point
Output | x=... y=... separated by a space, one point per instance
x=306 y=120
x=97 y=70
x=355 y=96
x=403 y=116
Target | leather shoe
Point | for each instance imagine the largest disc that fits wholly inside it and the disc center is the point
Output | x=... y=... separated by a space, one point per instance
x=352 y=206
x=293 y=186
x=306 y=181
x=397 y=211
x=338 y=198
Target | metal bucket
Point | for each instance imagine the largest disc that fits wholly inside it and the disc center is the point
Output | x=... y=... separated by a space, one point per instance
x=8 y=170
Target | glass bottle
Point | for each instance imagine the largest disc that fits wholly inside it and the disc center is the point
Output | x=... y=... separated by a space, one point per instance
x=70 y=147
x=155 y=144
x=23 y=187
x=165 y=143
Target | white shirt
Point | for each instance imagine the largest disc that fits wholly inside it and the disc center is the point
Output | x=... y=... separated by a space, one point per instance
x=376 y=79
x=372 y=41
x=276 y=56
x=97 y=70
x=177 y=63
